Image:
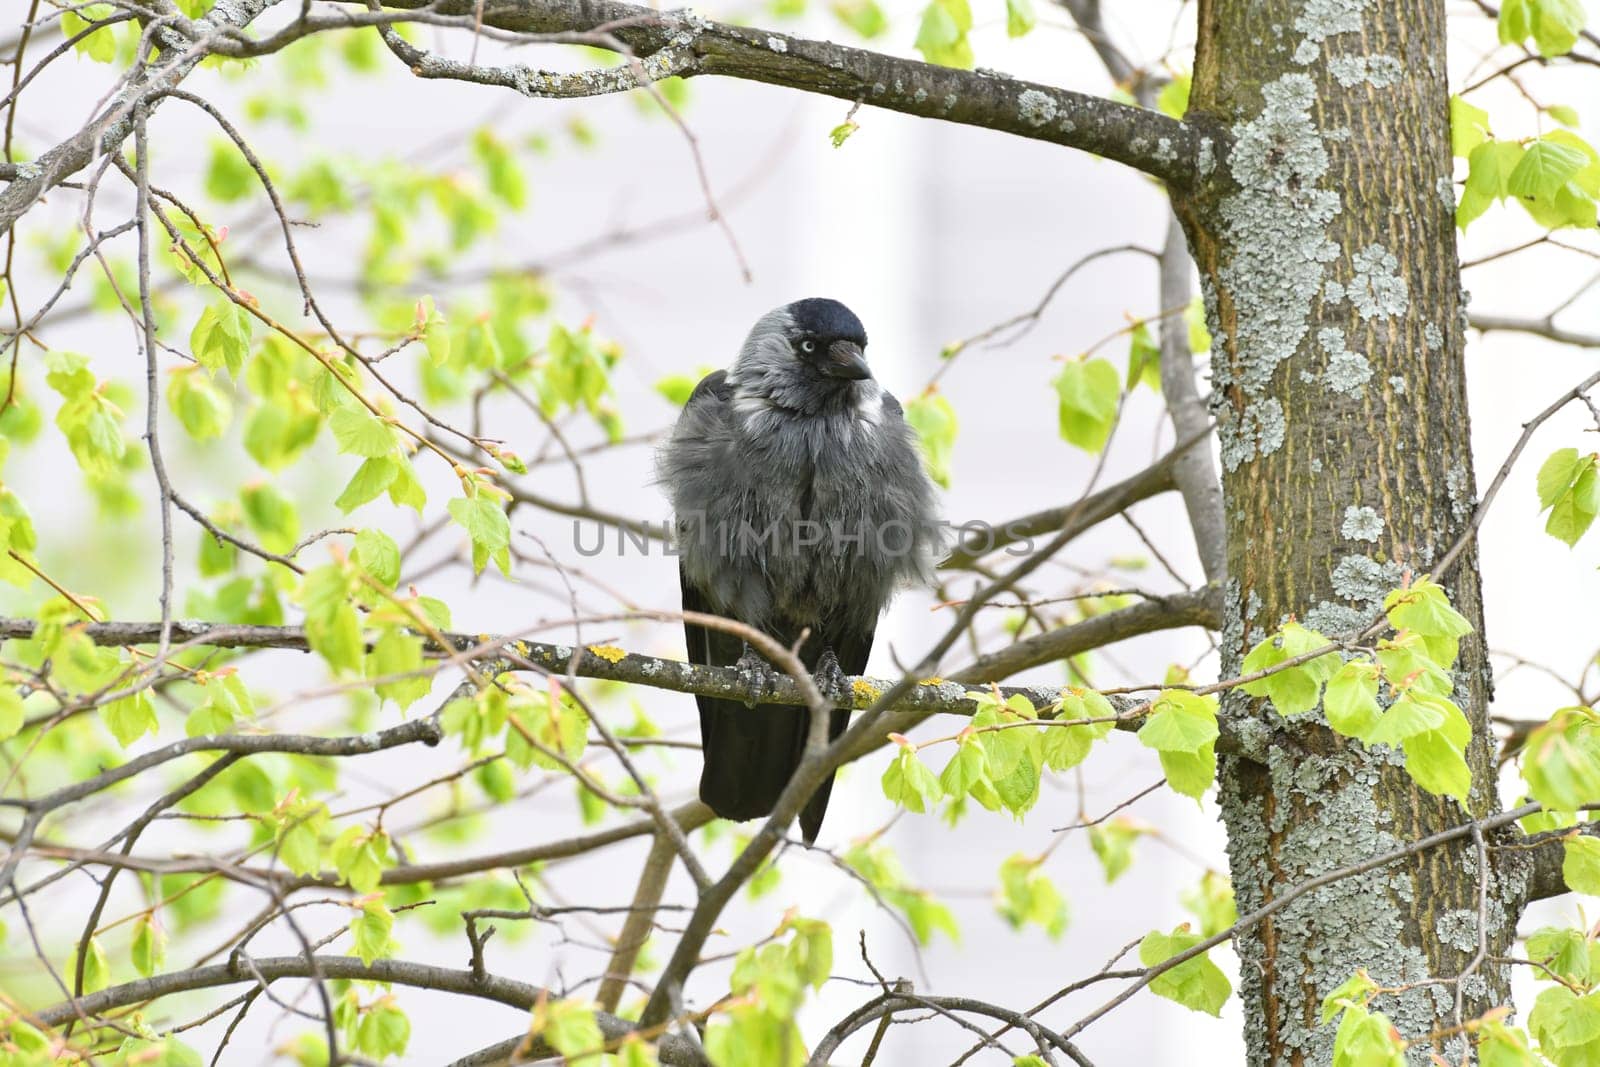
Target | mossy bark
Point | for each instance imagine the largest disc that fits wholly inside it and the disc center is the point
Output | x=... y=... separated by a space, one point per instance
x=1326 y=243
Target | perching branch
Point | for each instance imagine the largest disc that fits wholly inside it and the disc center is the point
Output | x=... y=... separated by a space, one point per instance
x=1174 y=151
x=671 y=1049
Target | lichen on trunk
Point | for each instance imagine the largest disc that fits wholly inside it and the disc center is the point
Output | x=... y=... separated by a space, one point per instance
x=1326 y=244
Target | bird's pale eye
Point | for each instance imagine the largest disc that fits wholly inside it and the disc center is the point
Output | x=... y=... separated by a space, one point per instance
x=808 y=347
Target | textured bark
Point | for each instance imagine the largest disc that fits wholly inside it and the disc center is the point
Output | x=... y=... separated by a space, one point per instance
x=1326 y=244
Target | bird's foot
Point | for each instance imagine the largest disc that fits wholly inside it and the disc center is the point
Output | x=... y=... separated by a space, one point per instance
x=832 y=682
x=756 y=676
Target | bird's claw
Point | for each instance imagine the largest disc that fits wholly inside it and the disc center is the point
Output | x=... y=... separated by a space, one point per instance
x=832 y=682
x=756 y=676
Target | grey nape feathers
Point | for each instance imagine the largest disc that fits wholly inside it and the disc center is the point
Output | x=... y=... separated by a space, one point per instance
x=801 y=505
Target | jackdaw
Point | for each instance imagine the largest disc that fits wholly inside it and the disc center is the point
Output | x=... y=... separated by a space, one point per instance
x=801 y=505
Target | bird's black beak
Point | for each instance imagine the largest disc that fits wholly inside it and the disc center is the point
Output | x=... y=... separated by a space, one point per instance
x=846 y=361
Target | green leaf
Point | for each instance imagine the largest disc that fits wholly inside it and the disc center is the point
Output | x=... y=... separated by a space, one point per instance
x=1190 y=773
x=149 y=949
x=1502 y=1046
x=1351 y=699
x=487 y=526
x=568 y=1026
x=371 y=932
x=200 y=406
x=229 y=176
x=676 y=388
x=1067 y=741
x=1293 y=689
x=931 y=415
x=1489 y=170
x=361 y=857
x=1144 y=359
x=1564 y=950
x=1567 y=116
x=1438 y=765
x=96 y=968
x=1173 y=101
x=300 y=838
x=1180 y=721
x=1544 y=168
x=942 y=35
x=500 y=167
x=222 y=336
x=361 y=433
x=1367 y=1039
x=1087 y=391
x=370 y=479
x=11 y=712
x=131 y=717
x=271 y=515
x=406 y=490
x=1019 y=17
x=1580 y=868
x=1028 y=896
x=1469 y=127
x=1112 y=843
x=1561 y=760
x=399 y=653
x=966 y=770
x=1554 y=25
x=376 y=553
x=1408 y=716
x=909 y=783
x=1211 y=901
x=1197 y=983
x=863 y=16
x=1569 y=488
x=101 y=44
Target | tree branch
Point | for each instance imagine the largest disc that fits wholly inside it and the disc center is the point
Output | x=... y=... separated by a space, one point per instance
x=1078 y=516
x=1546 y=857
x=671 y=1049
x=1146 y=140
x=1538 y=327
x=114 y=124
x=1200 y=607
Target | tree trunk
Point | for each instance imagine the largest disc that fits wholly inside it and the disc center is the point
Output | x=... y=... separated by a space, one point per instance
x=1326 y=243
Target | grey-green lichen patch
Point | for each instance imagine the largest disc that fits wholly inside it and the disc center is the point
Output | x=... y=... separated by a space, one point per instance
x=1335 y=620
x=1306 y=53
x=1277 y=226
x=1364 y=580
x=1378 y=291
x=1347 y=372
x=1205 y=160
x=1232 y=636
x=1458 y=484
x=1259 y=431
x=1164 y=152
x=1332 y=292
x=1378 y=71
x=1362 y=524
x=1321 y=19
x=1326 y=816
x=1432 y=337
x=777 y=44
x=1458 y=929
x=1035 y=108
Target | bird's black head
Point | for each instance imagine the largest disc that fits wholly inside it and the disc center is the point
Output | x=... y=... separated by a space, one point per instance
x=829 y=338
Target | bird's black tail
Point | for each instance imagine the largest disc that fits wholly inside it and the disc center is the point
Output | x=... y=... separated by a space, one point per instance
x=750 y=755
x=751 y=752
